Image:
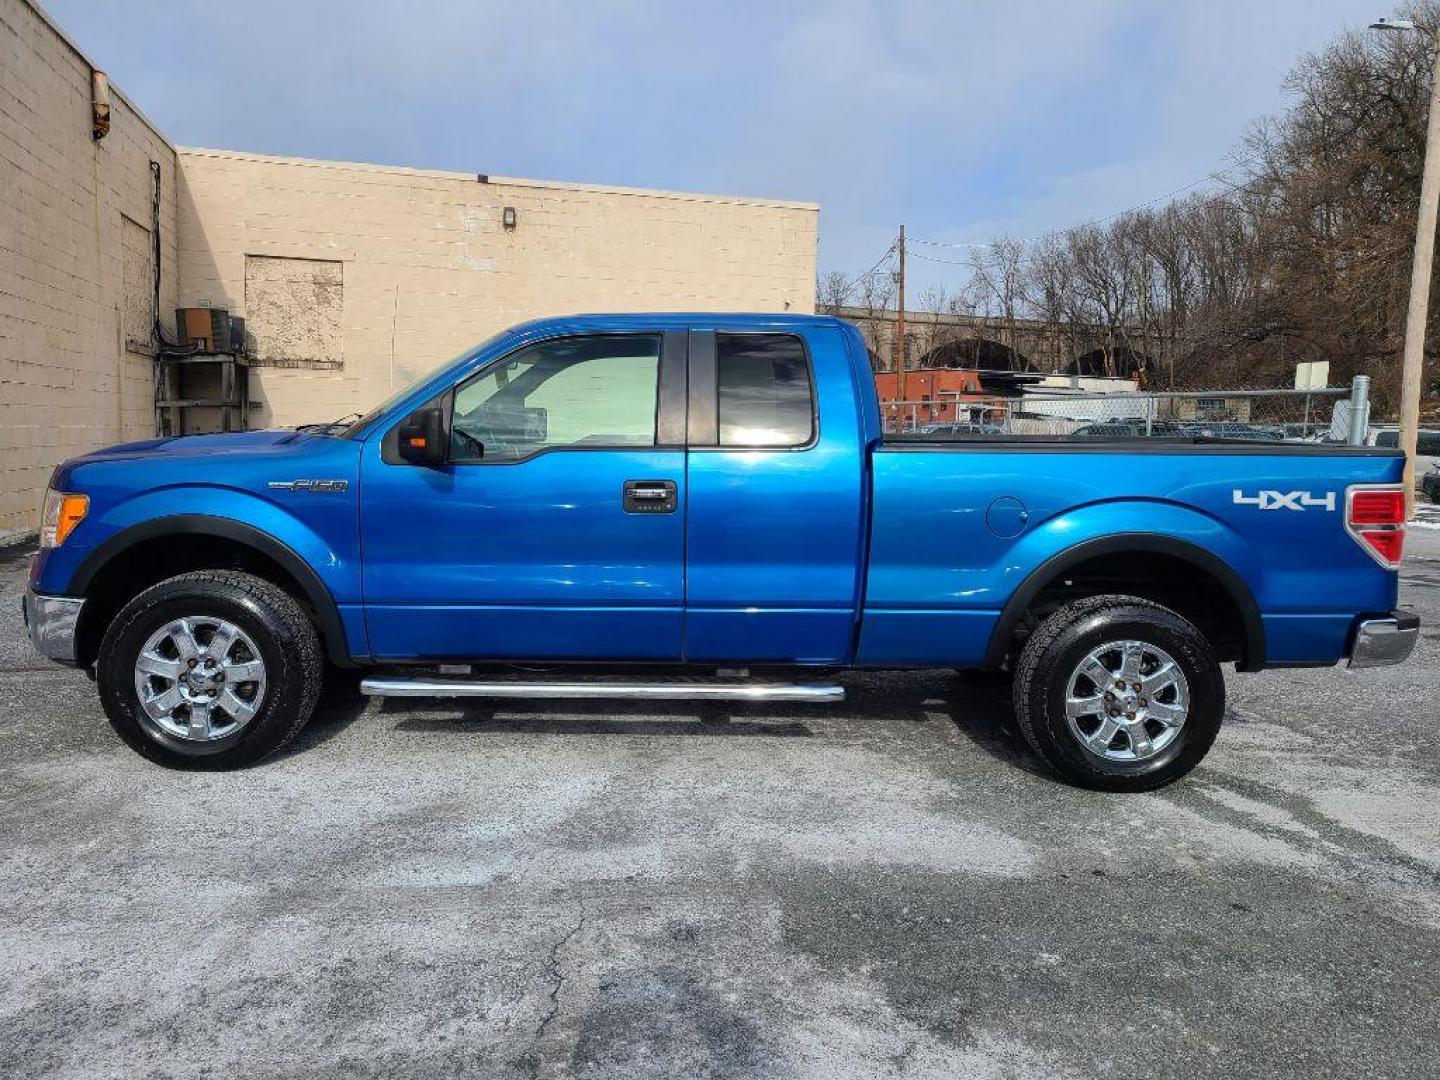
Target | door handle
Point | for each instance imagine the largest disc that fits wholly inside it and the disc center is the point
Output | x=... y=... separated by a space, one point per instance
x=650 y=497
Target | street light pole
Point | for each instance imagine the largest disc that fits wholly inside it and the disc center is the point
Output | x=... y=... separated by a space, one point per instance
x=1420 y=271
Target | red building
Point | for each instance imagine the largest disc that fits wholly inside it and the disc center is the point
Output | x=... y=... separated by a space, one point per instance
x=941 y=396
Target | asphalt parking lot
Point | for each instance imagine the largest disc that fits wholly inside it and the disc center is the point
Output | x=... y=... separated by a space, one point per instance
x=886 y=888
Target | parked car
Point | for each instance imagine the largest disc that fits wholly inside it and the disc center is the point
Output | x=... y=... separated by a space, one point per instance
x=701 y=494
x=1427 y=445
x=962 y=427
x=1130 y=429
x=1311 y=432
x=1430 y=484
x=1229 y=429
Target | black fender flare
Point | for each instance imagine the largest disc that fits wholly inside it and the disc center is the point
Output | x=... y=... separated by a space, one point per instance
x=1252 y=647
x=317 y=595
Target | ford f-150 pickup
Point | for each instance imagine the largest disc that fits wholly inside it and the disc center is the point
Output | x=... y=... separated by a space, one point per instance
x=704 y=506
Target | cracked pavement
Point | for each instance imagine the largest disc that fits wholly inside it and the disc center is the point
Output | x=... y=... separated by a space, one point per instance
x=884 y=888
x=533 y=1060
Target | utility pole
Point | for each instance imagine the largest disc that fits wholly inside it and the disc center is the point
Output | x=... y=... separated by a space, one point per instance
x=1420 y=270
x=1415 y=319
x=900 y=323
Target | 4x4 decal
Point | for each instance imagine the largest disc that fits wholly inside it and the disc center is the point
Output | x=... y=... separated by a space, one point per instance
x=1285 y=500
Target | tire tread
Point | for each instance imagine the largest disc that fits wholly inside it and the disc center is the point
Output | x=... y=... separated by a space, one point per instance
x=302 y=642
x=1037 y=649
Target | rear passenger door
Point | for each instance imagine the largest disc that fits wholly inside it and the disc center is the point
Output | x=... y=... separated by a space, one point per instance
x=773 y=537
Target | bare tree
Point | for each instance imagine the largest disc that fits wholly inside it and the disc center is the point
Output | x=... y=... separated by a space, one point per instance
x=832 y=291
x=997 y=284
x=875 y=295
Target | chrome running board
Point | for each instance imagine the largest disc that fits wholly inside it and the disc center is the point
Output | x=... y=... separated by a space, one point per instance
x=662 y=690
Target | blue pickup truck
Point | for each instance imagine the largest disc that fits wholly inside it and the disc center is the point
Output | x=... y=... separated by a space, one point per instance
x=704 y=506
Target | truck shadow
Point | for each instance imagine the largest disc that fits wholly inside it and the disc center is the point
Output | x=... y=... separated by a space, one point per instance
x=340 y=705
x=579 y=717
x=975 y=707
x=330 y=720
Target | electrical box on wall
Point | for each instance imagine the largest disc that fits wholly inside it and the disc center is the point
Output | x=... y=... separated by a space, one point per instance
x=205 y=327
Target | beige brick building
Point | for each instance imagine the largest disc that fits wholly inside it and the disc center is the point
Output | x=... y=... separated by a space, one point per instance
x=353 y=279
x=76 y=289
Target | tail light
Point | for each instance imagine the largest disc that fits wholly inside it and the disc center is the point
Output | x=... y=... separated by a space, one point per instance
x=1375 y=517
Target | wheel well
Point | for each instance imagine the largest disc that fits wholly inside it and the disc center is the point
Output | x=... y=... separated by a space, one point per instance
x=1172 y=580
x=148 y=562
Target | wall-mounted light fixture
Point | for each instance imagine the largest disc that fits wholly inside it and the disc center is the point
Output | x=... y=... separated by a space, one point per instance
x=99 y=105
x=507 y=217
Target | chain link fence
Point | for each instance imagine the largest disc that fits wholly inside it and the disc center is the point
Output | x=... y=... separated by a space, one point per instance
x=1318 y=415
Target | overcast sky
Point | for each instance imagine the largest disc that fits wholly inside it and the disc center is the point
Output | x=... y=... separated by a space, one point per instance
x=964 y=120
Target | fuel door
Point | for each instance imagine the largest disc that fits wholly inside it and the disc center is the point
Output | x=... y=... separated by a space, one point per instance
x=1007 y=517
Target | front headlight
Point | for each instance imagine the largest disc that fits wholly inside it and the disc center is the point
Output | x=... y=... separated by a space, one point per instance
x=61 y=513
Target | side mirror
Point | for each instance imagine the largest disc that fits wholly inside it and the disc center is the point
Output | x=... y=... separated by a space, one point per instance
x=422 y=438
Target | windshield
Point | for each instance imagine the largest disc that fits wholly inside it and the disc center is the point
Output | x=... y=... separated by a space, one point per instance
x=363 y=424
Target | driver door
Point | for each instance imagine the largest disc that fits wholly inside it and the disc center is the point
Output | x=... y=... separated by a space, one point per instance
x=555 y=530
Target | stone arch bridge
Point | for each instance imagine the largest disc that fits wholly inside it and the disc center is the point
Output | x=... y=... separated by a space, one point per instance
x=937 y=340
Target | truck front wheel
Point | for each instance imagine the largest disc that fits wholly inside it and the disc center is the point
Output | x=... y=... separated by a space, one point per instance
x=213 y=669
x=1119 y=694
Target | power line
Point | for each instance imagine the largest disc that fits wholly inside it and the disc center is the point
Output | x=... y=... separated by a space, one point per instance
x=1212 y=177
x=888 y=252
x=956 y=244
x=1209 y=178
x=851 y=283
x=947 y=262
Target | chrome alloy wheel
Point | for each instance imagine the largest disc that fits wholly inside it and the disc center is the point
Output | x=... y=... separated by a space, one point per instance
x=200 y=678
x=1127 y=701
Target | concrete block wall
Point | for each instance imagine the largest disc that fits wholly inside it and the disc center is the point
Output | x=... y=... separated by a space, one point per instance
x=75 y=228
x=427 y=267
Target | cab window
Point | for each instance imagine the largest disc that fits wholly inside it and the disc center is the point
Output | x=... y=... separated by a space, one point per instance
x=580 y=392
x=763 y=384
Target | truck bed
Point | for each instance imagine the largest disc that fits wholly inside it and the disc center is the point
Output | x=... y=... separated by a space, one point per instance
x=959 y=523
x=1131 y=445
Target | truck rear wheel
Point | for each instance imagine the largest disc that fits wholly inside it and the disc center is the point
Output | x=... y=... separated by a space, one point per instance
x=1117 y=693
x=213 y=669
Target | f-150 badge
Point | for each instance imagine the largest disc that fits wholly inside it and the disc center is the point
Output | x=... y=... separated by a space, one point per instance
x=309 y=485
x=1285 y=500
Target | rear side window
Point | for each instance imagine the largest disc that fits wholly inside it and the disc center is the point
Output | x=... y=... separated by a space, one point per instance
x=765 y=396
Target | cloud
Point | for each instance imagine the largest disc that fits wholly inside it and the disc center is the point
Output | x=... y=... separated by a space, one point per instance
x=962 y=120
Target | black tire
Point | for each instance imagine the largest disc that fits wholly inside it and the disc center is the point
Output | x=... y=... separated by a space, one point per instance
x=1057 y=647
x=281 y=631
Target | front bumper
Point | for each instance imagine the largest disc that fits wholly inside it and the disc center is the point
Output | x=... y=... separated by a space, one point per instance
x=1386 y=640
x=52 y=621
